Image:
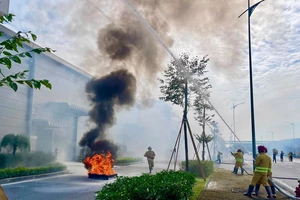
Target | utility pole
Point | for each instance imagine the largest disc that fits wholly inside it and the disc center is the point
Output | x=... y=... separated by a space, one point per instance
x=233 y=108
x=250 y=11
x=293 y=124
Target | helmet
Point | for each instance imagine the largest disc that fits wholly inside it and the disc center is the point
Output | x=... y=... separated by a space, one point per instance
x=261 y=148
x=266 y=150
x=239 y=150
x=149 y=148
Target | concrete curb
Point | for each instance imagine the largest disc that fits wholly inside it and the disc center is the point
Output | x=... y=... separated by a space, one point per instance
x=23 y=178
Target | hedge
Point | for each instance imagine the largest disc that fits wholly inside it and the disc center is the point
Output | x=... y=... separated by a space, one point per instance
x=30 y=159
x=208 y=167
x=175 y=185
x=127 y=160
x=22 y=171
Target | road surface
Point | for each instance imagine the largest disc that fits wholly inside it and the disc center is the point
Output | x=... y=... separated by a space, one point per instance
x=75 y=186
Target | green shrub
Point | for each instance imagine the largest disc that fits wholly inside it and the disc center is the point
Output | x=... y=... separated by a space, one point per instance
x=127 y=160
x=22 y=171
x=30 y=159
x=208 y=167
x=175 y=185
x=198 y=187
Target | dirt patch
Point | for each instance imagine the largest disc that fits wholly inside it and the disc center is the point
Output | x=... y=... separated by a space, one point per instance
x=225 y=185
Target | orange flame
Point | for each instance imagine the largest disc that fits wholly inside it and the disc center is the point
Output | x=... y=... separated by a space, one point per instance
x=100 y=164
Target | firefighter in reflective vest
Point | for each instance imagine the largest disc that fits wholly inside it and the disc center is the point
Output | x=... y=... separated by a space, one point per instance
x=239 y=159
x=262 y=165
x=150 y=155
x=257 y=186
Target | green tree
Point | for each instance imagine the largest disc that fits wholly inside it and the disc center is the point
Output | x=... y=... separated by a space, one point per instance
x=204 y=140
x=10 y=53
x=20 y=142
x=201 y=108
x=173 y=85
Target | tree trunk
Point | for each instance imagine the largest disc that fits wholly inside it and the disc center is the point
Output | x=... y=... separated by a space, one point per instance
x=203 y=135
x=203 y=150
x=14 y=150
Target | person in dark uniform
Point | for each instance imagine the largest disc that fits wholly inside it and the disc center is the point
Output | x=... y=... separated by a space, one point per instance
x=281 y=156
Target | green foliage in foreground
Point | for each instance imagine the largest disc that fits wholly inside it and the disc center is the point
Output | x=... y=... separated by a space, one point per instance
x=29 y=159
x=208 y=167
x=198 y=187
x=22 y=171
x=175 y=185
x=127 y=160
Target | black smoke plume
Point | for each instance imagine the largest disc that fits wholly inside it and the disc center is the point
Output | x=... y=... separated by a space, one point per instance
x=115 y=89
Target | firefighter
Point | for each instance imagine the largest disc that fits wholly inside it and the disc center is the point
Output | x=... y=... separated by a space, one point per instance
x=239 y=159
x=262 y=165
x=150 y=158
x=281 y=156
x=269 y=174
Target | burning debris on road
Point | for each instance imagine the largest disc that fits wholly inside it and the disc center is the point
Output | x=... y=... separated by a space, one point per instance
x=100 y=166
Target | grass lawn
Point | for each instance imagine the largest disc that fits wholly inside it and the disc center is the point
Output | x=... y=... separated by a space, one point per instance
x=198 y=187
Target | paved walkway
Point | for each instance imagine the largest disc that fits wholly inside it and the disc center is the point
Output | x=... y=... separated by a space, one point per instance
x=225 y=185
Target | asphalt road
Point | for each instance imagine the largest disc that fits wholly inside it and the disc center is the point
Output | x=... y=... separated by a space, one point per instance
x=75 y=186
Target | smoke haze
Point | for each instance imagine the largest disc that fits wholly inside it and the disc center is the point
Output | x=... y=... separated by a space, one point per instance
x=115 y=89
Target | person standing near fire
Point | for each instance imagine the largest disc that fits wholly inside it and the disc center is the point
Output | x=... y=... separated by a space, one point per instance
x=272 y=186
x=263 y=164
x=239 y=159
x=150 y=155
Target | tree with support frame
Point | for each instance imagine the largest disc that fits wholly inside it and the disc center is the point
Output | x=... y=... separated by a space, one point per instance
x=179 y=91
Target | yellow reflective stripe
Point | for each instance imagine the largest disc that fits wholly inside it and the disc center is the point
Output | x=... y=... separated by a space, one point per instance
x=239 y=160
x=257 y=170
x=263 y=168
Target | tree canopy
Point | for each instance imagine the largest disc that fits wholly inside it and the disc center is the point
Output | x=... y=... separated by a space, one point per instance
x=173 y=85
x=15 y=142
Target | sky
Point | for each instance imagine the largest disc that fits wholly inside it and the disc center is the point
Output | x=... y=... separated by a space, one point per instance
x=203 y=27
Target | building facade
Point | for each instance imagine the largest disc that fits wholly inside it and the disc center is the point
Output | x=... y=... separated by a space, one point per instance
x=53 y=119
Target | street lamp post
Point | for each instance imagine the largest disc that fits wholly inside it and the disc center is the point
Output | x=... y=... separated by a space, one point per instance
x=233 y=108
x=272 y=136
x=250 y=11
x=293 y=124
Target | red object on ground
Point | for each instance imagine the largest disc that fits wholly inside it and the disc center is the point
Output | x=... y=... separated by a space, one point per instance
x=298 y=191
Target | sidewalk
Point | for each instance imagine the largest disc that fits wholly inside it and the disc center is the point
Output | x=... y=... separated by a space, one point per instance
x=225 y=185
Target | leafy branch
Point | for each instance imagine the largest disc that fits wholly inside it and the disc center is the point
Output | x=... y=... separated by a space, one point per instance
x=10 y=49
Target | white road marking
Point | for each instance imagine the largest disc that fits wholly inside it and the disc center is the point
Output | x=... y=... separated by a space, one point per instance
x=31 y=180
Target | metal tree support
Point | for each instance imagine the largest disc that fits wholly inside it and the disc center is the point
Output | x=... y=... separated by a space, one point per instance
x=185 y=122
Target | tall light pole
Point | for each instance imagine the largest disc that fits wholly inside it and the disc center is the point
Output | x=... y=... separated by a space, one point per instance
x=293 y=124
x=250 y=11
x=233 y=108
x=272 y=135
